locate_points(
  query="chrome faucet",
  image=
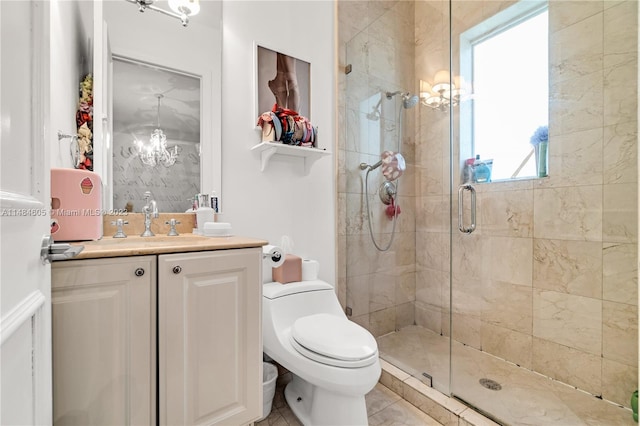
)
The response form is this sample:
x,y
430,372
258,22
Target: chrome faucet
x,y
151,208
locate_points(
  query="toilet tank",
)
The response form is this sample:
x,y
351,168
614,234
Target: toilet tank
x,y
284,303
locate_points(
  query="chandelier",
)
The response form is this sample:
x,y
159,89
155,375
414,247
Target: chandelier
x,y
443,94
155,151
181,9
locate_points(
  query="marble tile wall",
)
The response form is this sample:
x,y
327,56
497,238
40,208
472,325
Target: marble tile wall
x,y
377,40
549,279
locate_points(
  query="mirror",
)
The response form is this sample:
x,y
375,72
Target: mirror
x,y
152,53
146,98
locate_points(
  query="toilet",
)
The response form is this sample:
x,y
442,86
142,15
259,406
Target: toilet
x,y
334,362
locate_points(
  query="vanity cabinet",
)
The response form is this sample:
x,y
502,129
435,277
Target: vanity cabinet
x,y
210,340
104,341
205,309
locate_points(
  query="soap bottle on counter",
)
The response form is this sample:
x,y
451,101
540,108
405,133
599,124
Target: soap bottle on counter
x,y
204,212
204,215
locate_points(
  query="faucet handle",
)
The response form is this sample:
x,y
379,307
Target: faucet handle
x,y
172,231
119,223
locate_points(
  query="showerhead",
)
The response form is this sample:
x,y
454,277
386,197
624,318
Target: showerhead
x,y
374,115
408,100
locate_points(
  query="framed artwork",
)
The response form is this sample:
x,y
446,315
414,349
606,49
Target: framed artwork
x,y
282,79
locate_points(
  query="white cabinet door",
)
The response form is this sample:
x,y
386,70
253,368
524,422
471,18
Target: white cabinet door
x,y
104,335
210,342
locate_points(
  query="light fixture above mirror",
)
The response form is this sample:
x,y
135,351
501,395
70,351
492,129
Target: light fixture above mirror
x,y
181,9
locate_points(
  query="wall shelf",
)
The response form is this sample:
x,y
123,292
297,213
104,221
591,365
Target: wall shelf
x,y
268,149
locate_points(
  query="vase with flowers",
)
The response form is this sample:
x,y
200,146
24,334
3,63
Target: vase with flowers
x,y
540,142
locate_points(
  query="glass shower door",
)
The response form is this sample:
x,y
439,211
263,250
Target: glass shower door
x,y
544,288
401,295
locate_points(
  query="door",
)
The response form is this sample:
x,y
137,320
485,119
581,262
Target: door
x,y
25,284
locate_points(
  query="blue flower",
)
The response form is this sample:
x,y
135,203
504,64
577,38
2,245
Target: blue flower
x,y
540,135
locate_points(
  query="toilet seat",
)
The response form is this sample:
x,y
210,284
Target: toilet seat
x,y
332,340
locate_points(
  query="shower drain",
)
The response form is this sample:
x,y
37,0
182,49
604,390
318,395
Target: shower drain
x,y
490,384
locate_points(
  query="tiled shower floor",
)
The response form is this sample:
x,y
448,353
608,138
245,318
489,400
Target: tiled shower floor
x,y
526,398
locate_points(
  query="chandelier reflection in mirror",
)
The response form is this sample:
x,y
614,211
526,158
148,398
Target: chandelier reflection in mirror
x,y
155,151
181,9
443,94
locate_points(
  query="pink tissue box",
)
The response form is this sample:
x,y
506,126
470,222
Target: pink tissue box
x,y
290,271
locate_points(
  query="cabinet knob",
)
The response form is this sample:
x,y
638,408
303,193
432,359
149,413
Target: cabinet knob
x,y
177,269
139,272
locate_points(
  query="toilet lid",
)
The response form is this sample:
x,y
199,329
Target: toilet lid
x,y
334,337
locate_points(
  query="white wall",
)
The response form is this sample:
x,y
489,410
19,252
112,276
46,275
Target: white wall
x,y
281,200
71,34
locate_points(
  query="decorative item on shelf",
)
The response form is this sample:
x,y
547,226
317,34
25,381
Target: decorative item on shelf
x,y
288,127
481,170
467,171
84,121
155,151
282,79
181,9
540,142
443,94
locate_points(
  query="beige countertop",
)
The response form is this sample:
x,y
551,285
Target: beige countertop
x,y
160,244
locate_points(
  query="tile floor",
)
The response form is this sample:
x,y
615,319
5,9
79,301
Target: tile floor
x,y
384,407
526,398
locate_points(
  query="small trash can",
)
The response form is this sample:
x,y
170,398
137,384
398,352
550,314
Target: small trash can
x,y
269,376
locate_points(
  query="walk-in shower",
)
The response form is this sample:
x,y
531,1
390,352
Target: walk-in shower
x,y
531,318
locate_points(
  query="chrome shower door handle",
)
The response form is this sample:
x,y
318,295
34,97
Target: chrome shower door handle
x,y
472,190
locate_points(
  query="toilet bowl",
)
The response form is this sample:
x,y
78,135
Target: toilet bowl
x,y
334,362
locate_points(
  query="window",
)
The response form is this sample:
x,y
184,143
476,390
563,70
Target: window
x,y
508,67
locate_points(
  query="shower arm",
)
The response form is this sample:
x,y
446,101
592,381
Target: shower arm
x,y
364,166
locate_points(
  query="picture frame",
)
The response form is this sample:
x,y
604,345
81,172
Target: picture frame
x,y
283,79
